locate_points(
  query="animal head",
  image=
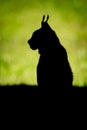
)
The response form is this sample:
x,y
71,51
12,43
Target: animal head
x,y
43,38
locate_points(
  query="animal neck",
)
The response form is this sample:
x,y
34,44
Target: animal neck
x,y
48,50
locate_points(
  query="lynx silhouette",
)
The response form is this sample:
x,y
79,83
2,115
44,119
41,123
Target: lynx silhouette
x,y
53,69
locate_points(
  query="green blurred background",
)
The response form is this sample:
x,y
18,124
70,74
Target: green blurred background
x,y
19,18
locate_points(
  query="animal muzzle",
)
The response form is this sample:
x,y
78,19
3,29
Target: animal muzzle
x,y
31,44
29,41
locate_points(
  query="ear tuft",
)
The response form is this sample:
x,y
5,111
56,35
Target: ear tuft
x,y
47,18
43,20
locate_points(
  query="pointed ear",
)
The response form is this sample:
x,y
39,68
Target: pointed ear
x,y
42,22
47,18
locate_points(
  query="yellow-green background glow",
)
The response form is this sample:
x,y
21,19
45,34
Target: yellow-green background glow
x,y
19,18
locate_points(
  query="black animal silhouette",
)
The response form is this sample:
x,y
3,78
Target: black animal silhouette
x,y
53,69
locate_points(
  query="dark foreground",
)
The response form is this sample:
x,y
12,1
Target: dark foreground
x,y
31,98
33,91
